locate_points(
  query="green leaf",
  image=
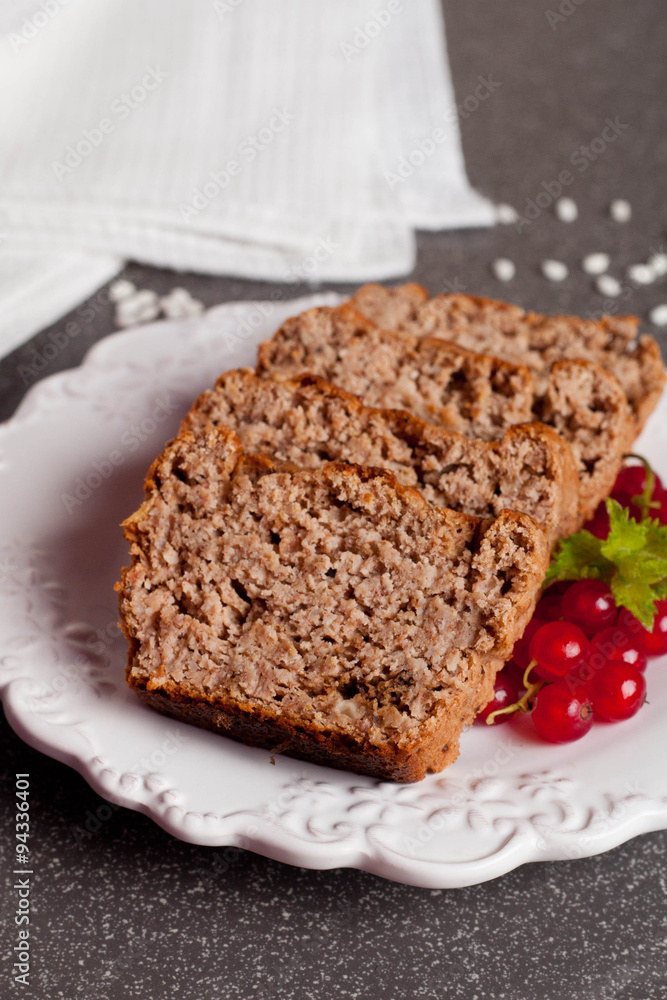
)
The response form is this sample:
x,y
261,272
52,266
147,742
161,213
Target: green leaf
x,y
627,537
656,538
638,597
648,568
632,560
579,557
641,577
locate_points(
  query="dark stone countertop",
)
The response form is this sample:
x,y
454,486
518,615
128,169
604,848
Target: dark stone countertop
x,y
131,912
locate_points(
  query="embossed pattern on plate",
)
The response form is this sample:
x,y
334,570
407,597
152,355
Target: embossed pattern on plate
x,y
72,464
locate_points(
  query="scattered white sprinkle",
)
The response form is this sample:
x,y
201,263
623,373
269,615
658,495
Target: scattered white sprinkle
x,y
503,268
566,209
140,307
179,304
507,215
121,289
608,286
554,270
641,274
658,316
596,263
179,294
620,210
658,264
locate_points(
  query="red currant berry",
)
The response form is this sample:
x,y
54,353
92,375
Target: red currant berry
x,y
590,605
655,641
660,512
617,692
559,648
618,645
549,608
505,693
561,716
599,523
521,652
515,673
633,627
557,589
629,483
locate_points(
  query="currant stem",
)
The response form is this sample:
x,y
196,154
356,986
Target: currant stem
x,y
644,499
522,705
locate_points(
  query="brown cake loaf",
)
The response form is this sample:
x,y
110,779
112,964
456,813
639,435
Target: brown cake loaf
x,y
474,394
331,614
390,308
525,338
308,422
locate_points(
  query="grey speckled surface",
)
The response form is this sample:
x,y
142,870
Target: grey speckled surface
x,y
130,912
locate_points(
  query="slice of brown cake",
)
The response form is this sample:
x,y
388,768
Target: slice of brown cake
x,y
308,422
475,394
526,338
442,383
331,614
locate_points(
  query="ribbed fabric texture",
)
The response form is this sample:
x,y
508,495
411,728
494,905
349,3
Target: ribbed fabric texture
x,y
250,137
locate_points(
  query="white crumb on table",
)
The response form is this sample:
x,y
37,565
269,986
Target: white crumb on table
x,y
620,210
503,268
139,307
658,315
179,304
641,274
658,264
608,286
121,289
596,263
566,209
507,215
554,270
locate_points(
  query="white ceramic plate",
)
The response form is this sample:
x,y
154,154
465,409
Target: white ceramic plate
x,y
72,464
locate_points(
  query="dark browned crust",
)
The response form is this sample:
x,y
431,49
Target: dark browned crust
x,y
403,764
654,378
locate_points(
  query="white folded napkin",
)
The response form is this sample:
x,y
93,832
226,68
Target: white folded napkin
x,y
268,140
36,289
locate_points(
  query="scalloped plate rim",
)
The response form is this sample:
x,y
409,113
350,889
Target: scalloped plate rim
x,y
240,829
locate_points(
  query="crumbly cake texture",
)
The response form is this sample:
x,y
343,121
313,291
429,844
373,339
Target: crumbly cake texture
x,y
448,385
526,338
586,405
390,308
439,382
330,614
307,421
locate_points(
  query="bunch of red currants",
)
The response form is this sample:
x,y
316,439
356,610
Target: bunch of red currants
x,y
630,484
581,657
